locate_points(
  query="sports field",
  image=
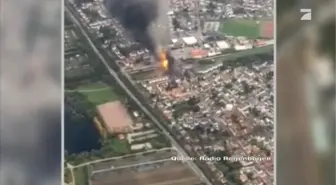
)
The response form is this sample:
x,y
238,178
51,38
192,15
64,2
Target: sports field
x,y
247,28
98,92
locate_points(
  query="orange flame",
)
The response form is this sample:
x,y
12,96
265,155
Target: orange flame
x,y
163,59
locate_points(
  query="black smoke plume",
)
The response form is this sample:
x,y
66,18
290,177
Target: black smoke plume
x,y
136,16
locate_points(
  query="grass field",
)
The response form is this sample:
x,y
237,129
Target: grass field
x,y
98,93
116,145
247,28
92,86
81,176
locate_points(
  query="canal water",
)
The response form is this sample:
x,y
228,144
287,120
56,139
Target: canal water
x,y
80,135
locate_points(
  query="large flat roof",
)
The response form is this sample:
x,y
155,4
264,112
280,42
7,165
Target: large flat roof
x,y
115,116
190,40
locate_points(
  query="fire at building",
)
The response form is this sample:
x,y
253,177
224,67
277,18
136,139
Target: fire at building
x,y
168,64
163,59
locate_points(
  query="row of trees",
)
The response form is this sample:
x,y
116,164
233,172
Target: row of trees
x,y
79,106
110,147
67,176
230,169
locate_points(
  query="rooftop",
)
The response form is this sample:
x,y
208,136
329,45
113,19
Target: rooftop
x,y
115,117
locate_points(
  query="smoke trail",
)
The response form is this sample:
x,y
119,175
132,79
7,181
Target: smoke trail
x,y
136,16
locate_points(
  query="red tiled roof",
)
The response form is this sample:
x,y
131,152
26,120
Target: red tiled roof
x,y
115,117
198,53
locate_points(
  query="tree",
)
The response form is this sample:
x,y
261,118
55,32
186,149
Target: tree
x,y
211,8
176,24
67,175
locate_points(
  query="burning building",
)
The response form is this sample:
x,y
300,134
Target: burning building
x,y
169,64
163,59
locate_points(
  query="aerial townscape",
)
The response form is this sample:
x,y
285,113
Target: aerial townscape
x,y
168,92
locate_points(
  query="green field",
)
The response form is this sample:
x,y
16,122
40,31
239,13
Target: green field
x,y
98,93
91,86
81,176
116,147
247,28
